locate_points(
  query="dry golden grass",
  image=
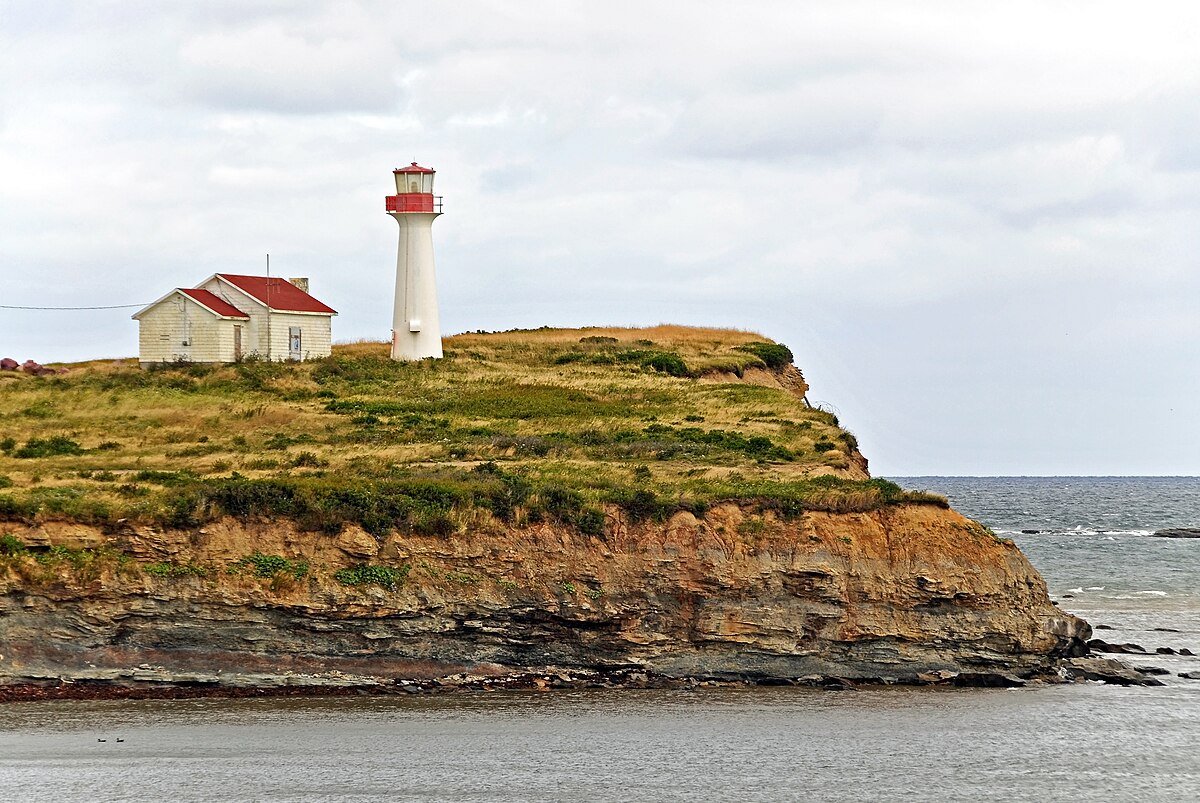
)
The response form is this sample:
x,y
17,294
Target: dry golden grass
x,y
553,405
684,338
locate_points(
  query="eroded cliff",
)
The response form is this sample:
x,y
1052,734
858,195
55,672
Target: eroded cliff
x,y
888,595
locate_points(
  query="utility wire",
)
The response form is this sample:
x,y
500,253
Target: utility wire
x,y
114,306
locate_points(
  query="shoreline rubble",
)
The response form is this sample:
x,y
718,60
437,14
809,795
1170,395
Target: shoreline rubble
x,y
149,682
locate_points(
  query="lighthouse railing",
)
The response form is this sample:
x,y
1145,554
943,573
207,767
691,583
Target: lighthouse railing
x,y
414,202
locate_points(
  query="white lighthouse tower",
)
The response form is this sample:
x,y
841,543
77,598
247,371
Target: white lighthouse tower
x,y
415,330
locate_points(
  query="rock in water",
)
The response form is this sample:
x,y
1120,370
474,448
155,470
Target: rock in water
x,y
1100,645
1106,670
1152,670
1179,532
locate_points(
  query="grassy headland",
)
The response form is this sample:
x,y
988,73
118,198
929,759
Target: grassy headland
x,y
510,428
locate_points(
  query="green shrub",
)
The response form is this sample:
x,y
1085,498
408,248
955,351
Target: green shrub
x,y
365,574
5,481
86,562
774,355
307,460
568,357
421,506
69,502
667,362
642,504
52,446
507,494
282,440
568,506
43,408
11,545
262,464
270,566
185,367
172,570
590,521
257,374
361,369
759,447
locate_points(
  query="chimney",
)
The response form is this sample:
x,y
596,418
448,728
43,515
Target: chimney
x,y
300,282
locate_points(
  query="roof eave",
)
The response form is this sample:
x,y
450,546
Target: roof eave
x,y
301,312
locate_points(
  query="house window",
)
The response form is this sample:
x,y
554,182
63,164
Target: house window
x,y
294,351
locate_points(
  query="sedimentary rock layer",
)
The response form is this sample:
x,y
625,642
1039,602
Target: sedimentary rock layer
x,y
885,595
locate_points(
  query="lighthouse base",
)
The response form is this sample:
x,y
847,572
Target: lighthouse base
x,y
409,346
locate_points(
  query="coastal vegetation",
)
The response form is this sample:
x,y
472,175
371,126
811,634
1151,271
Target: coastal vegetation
x,y
510,429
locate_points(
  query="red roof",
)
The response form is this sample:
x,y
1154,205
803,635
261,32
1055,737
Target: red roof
x,y
414,168
284,296
213,302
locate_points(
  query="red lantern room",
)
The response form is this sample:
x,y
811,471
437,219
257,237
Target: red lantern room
x,y
414,191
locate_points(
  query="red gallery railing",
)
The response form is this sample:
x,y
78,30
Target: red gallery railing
x,y
414,202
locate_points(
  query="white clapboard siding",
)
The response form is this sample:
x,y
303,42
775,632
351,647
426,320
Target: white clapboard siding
x,y
180,329
315,335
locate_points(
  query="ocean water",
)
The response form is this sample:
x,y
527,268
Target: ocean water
x,y
1064,743
1095,547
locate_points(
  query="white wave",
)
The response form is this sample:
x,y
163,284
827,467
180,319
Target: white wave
x,y
1152,593
1095,588
1107,533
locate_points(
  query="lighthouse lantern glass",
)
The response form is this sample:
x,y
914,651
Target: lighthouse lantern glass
x,y
408,183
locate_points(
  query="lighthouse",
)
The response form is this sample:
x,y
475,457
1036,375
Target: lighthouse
x,y
415,330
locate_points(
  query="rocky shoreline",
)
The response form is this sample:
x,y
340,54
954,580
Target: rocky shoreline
x,y
155,682
908,595
1178,532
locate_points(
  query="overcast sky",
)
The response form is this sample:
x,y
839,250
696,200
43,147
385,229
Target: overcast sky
x,y
975,224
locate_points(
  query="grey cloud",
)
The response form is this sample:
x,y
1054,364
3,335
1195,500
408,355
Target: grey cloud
x,y
916,201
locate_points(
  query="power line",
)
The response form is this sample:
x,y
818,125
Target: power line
x,y
114,306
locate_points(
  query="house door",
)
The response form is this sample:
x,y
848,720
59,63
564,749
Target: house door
x,y
294,343
237,343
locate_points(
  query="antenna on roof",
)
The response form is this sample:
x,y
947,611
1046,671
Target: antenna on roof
x,y
268,307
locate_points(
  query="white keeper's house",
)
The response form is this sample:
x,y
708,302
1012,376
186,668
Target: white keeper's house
x,y
228,317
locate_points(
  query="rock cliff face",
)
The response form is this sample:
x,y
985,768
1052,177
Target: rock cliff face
x,y
886,595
